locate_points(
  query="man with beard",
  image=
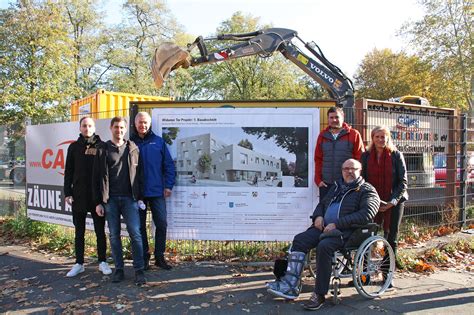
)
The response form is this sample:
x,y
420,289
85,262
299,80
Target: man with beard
x,y
335,144
350,201
78,192
117,192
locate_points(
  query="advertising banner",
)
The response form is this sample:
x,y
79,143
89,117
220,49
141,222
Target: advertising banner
x,y
242,173
46,150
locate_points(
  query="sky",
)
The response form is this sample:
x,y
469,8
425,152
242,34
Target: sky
x,y
345,30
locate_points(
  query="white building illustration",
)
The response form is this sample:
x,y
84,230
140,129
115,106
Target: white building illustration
x,y
228,162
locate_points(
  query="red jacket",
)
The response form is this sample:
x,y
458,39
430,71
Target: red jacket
x,y
331,153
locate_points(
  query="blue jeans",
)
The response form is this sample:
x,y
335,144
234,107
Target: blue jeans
x,y
158,212
128,208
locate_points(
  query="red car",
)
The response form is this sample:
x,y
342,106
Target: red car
x,y
440,164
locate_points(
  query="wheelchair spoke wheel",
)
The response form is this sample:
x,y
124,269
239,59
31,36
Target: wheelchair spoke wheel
x,y
374,266
343,267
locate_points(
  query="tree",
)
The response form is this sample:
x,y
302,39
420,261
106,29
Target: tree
x,y
293,140
36,77
89,41
384,74
246,78
245,143
444,38
146,24
204,163
284,167
169,134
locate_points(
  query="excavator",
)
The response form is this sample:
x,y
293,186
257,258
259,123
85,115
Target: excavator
x,y
264,43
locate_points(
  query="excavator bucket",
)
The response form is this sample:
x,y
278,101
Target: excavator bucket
x,y
168,57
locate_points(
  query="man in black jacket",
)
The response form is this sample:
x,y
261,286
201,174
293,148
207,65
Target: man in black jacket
x,y
78,192
117,190
351,201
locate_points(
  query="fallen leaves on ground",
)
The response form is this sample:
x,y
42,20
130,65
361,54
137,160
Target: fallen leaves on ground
x,y
422,266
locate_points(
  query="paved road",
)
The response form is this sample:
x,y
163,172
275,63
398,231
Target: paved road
x,y
32,282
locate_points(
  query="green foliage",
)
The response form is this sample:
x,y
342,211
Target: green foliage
x,y
204,163
293,140
243,250
23,227
384,74
444,39
89,42
36,79
144,26
244,78
170,134
245,143
284,167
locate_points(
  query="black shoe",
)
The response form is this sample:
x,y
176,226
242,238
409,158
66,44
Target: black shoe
x,y
140,277
161,262
147,264
118,275
315,302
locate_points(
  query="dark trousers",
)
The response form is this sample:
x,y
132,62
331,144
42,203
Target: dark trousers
x,y
158,211
395,221
79,220
325,249
324,190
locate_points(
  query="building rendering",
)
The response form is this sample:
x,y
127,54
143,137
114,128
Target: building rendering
x,y
228,162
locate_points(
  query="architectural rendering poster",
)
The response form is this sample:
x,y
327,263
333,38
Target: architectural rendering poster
x,y
242,173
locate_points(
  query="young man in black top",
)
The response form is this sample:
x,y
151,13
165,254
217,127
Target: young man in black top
x,y
118,189
78,192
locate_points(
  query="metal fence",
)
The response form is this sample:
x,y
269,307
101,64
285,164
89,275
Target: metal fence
x,y
439,153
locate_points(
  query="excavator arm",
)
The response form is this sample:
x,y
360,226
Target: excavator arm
x,y
263,43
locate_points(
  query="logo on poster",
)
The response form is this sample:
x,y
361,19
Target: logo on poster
x,y
53,158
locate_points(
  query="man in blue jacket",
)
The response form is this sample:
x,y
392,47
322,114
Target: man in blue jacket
x,y
159,173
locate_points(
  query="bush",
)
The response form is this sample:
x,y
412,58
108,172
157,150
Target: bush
x,y
23,227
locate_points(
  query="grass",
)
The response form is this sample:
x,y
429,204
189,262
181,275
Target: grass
x,y
60,240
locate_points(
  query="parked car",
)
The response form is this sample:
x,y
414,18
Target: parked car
x,y
440,166
420,170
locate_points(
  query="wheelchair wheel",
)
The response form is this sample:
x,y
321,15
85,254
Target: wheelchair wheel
x,y
374,266
342,264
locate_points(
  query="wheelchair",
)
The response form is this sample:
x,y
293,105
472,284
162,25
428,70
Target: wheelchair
x,y
366,257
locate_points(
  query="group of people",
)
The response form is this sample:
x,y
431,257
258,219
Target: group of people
x,y
373,187
122,177
114,179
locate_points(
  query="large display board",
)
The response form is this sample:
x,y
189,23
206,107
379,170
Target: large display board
x,y
242,173
46,150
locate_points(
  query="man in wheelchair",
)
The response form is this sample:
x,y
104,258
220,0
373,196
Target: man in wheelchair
x,y
351,201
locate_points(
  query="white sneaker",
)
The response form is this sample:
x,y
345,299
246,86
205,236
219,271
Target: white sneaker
x,y
75,270
104,267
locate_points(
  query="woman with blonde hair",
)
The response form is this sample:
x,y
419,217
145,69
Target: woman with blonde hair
x,y
384,167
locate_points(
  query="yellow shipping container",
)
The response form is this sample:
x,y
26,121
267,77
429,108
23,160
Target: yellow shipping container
x,y
104,104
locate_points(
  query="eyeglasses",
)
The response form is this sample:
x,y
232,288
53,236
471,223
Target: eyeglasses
x,y
347,169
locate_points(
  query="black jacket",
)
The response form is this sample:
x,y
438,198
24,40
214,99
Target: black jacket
x,y
78,172
359,204
399,175
101,173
